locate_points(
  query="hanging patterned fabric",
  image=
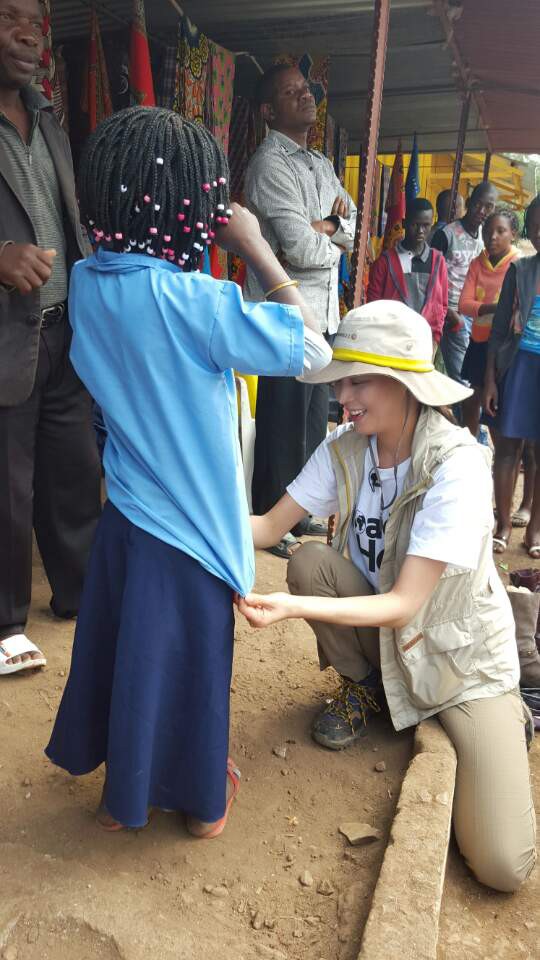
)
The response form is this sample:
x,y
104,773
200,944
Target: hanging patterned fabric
x,y
168,78
316,71
221,74
43,80
342,144
330,138
193,60
96,97
140,68
50,79
60,90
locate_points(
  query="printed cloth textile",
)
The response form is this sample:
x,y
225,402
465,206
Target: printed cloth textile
x,y
193,56
221,79
140,69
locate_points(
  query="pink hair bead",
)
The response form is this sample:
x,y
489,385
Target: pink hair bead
x,y
211,234
222,180
153,231
180,217
206,187
199,225
187,203
119,236
147,199
187,229
208,242
167,237
98,234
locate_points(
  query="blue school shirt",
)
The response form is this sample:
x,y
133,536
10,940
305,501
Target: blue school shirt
x,y
530,338
155,348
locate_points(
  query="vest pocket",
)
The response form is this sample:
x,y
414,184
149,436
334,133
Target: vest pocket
x,y
438,661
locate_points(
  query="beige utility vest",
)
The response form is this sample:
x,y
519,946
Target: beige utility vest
x,y
461,644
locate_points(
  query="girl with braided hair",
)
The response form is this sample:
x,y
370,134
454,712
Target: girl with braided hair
x,y
155,341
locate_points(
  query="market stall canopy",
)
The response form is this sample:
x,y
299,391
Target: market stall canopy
x,y
424,72
500,44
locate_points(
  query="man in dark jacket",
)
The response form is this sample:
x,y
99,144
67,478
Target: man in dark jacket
x,y
49,466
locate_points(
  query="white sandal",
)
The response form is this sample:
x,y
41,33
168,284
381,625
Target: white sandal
x,y
17,646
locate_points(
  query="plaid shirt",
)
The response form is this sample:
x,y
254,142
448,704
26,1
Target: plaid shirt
x,y
288,188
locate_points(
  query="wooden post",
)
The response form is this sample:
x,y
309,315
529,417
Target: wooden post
x,y
370,142
487,165
460,150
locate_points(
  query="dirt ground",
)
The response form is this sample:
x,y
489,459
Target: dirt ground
x,y
477,923
72,892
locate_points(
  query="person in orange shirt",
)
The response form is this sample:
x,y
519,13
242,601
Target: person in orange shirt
x,y
479,299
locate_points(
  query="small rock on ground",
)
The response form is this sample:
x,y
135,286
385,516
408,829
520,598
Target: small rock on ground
x,y
325,888
357,833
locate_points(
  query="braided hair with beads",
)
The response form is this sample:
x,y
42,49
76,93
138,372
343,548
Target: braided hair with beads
x,y
151,182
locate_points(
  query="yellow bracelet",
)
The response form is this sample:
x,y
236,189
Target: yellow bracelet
x,y
281,286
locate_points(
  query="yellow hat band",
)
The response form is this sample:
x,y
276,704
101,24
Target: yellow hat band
x,y
378,360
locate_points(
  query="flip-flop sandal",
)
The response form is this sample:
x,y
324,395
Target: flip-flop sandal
x,y
284,548
17,646
316,529
518,521
233,775
500,544
534,551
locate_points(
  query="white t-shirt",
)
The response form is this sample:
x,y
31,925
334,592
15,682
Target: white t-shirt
x,y
455,515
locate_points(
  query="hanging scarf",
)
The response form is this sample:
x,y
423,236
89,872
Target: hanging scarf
x,y
140,69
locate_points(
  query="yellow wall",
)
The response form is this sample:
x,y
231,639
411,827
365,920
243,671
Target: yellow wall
x,y
436,175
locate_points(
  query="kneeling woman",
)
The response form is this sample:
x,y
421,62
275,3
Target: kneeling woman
x,y
408,598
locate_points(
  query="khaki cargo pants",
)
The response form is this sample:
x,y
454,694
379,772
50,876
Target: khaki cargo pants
x,y
493,813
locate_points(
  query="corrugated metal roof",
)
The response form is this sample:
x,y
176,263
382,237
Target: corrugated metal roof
x,y
500,45
420,88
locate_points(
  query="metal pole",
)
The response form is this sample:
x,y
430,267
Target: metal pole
x,y
370,141
460,150
487,165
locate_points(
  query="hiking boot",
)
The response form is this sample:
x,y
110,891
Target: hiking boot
x,y
344,718
525,606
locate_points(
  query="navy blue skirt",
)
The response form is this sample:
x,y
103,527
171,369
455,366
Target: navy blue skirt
x,y
148,689
518,416
474,364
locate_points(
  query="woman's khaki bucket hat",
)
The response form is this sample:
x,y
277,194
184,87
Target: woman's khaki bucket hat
x,y
386,338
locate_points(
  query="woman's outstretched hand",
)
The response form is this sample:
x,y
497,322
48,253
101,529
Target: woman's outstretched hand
x,y
262,611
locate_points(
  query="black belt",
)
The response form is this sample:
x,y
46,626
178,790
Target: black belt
x,y
52,315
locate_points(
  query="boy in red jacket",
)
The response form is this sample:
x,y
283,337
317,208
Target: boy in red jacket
x,y
412,272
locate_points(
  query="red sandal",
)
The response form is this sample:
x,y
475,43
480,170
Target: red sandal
x,y
218,827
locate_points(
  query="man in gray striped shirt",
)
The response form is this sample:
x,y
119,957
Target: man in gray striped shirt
x,y
309,220
49,465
